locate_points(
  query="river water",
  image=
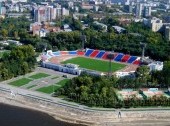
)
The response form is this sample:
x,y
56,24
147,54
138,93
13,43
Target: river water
x,y
15,116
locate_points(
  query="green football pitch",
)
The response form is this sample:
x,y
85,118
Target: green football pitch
x,y
94,64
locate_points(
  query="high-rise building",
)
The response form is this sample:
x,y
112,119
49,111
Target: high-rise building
x,y
147,11
58,11
65,12
139,10
168,1
130,8
44,13
167,32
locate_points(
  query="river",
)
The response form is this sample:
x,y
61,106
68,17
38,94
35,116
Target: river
x,y
15,116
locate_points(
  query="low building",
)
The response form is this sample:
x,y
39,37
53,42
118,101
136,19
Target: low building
x,y
16,15
125,74
7,42
156,66
104,27
119,29
42,29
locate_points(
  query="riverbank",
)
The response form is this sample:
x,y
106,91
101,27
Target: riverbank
x,y
82,115
17,116
39,108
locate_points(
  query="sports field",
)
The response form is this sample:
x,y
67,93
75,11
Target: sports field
x,y
94,64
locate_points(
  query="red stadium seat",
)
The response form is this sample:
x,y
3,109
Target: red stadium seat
x,y
94,53
80,53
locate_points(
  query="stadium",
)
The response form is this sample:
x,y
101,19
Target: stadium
x,y
94,62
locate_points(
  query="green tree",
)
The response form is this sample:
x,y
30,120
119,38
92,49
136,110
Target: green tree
x,y
142,73
166,72
4,33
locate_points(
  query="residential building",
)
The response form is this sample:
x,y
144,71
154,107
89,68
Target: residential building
x,y
155,24
58,11
139,10
167,32
147,11
16,15
65,12
45,13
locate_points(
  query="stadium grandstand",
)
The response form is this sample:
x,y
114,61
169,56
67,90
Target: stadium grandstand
x,y
98,54
53,60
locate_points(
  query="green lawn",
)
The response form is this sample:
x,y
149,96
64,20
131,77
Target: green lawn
x,y
31,86
20,82
39,75
94,64
49,89
62,82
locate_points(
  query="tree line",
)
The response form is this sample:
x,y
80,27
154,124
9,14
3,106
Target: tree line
x,y
103,91
19,61
157,48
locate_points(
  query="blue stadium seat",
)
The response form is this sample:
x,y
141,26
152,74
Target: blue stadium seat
x,y
56,53
132,59
72,52
100,54
119,57
88,52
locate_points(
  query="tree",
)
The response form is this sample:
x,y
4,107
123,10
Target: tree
x,y
4,74
142,73
4,33
19,61
24,68
166,72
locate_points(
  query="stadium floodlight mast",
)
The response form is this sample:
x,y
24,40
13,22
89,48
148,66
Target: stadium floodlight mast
x,y
143,46
110,56
83,39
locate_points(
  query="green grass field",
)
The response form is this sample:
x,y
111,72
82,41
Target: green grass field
x,y
62,82
20,82
94,64
51,88
39,75
48,89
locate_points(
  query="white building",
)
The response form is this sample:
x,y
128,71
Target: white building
x,y
125,74
167,32
157,65
155,24
104,27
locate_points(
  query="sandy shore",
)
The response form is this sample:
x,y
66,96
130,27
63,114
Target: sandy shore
x,y
129,118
